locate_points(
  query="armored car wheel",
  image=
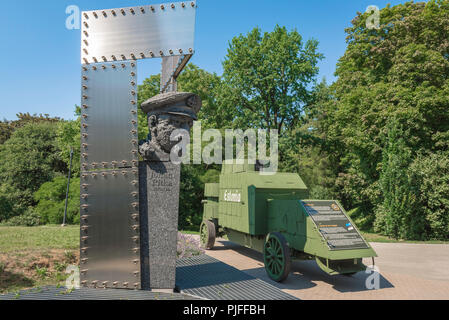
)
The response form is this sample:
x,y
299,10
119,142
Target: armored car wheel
x,y
276,256
207,234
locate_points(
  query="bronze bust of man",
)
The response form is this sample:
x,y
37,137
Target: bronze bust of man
x,y
167,112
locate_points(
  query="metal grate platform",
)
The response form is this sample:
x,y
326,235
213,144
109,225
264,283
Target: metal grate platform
x,y
204,276
54,293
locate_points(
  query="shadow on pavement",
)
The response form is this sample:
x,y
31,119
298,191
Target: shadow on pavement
x,y
304,274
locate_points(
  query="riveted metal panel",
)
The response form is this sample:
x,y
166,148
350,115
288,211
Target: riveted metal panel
x,y
138,32
109,116
110,236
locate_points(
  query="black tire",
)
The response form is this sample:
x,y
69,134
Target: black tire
x,y
276,256
207,234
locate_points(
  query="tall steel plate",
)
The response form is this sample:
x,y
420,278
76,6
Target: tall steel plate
x,y
110,254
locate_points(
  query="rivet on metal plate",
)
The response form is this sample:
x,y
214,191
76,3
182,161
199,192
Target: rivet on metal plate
x,y
135,216
85,135
133,111
85,78
85,125
123,57
142,9
125,284
142,55
183,5
84,186
94,175
135,239
135,228
171,51
133,74
85,69
113,13
133,83
84,87
85,33
95,15
151,53
172,6
104,58
95,59
85,61
104,14
113,66
123,11
84,145
84,196
86,25
161,53
86,16
133,92
162,7
103,67
94,68
136,261
135,250
133,64
86,43
85,51
85,97
132,11
152,8
192,4
84,116
114,58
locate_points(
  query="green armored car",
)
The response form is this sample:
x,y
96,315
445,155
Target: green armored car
x,y
271,214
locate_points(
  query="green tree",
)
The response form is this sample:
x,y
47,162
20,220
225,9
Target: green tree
x,y
267,77
28,159
8,127
400,71
68,136
50,200
393,216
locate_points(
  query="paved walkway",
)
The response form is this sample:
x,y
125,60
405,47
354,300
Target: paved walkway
x,y
407,271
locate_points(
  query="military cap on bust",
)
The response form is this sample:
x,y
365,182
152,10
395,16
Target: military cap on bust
x,y
177,103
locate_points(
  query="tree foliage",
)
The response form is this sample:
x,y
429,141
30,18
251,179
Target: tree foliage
x,y
28,159
268,76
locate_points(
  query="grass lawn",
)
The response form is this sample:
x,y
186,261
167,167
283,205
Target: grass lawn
x,y
374,237
37,256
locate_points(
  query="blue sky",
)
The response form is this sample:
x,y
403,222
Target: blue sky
x,y
40,72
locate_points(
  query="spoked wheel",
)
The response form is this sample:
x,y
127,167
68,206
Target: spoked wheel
x,y
276,256
207,234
